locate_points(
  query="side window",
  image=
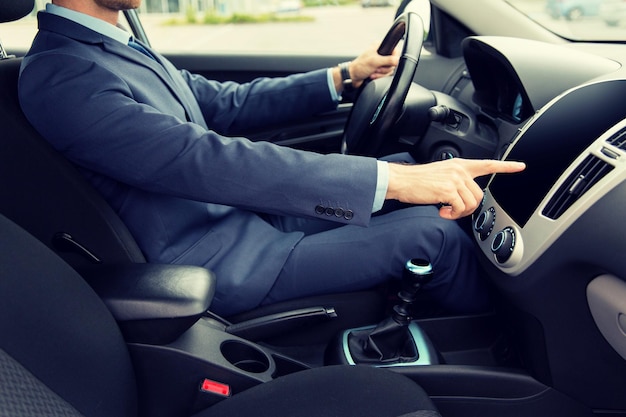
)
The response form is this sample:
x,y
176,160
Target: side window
x,y
308,27
267,26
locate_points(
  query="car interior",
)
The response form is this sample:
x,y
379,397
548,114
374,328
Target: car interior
x,y
89,327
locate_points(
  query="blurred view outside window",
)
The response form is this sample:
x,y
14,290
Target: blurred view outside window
x,y
244,26
302,27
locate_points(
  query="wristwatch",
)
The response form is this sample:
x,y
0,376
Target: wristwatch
x,y
344,69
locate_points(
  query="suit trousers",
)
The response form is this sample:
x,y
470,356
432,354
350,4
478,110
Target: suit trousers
x,y
333,258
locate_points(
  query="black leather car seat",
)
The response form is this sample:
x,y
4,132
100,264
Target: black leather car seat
x,y
62,354
44,193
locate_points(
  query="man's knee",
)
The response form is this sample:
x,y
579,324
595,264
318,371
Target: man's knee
x,y
439,236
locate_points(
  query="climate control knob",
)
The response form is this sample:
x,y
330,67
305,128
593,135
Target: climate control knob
x,y
483,225
503,244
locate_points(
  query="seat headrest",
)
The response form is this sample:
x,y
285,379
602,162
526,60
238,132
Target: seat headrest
x,y
11,10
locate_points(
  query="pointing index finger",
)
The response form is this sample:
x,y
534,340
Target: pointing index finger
x,y
478,168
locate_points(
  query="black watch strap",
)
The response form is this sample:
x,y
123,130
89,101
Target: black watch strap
x,y
344,69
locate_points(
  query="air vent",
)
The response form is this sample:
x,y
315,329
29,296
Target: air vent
x,y
618,140
589,172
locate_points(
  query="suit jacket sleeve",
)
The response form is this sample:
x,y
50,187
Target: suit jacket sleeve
x,y
120,121
229,107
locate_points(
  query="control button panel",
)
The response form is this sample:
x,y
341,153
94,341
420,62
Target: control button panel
x,y
498,237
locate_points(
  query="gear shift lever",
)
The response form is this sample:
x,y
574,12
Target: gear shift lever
x,y
417,273
391,340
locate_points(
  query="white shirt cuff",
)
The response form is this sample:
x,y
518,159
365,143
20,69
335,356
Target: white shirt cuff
x,y
381,186
331,86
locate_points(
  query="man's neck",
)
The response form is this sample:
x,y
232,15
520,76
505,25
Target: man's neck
x,y
90,8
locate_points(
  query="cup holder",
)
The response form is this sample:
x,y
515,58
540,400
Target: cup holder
x,y
245,357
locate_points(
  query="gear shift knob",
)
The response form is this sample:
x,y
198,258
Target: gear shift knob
x,y
417,273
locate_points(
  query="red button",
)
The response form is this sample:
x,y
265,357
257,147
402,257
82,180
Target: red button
x,y
215,387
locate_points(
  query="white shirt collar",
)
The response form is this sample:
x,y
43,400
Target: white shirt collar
x,y
93,23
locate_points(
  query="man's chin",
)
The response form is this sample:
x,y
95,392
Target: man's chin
x,y
119,5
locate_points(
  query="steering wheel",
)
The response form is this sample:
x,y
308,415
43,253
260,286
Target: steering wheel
x,y
379,102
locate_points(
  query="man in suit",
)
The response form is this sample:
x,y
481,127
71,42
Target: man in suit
x,y
273,223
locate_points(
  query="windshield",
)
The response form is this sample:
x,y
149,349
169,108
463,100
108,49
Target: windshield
x,y
579,20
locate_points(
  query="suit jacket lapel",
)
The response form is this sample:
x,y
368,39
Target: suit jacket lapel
x,y
163,68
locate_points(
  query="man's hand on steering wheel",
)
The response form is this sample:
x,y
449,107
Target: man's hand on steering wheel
x,y
369,65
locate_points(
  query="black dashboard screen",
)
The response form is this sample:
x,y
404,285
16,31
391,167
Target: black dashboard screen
x,y
553,141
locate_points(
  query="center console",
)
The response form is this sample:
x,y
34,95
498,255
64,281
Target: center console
x,y
203,366
395,341
187,359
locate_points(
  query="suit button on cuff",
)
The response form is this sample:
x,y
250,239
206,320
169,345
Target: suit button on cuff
x,y
330,211
339,212
319,209
348,215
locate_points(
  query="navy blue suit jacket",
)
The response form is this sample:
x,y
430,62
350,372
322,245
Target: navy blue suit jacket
x,y
152,140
